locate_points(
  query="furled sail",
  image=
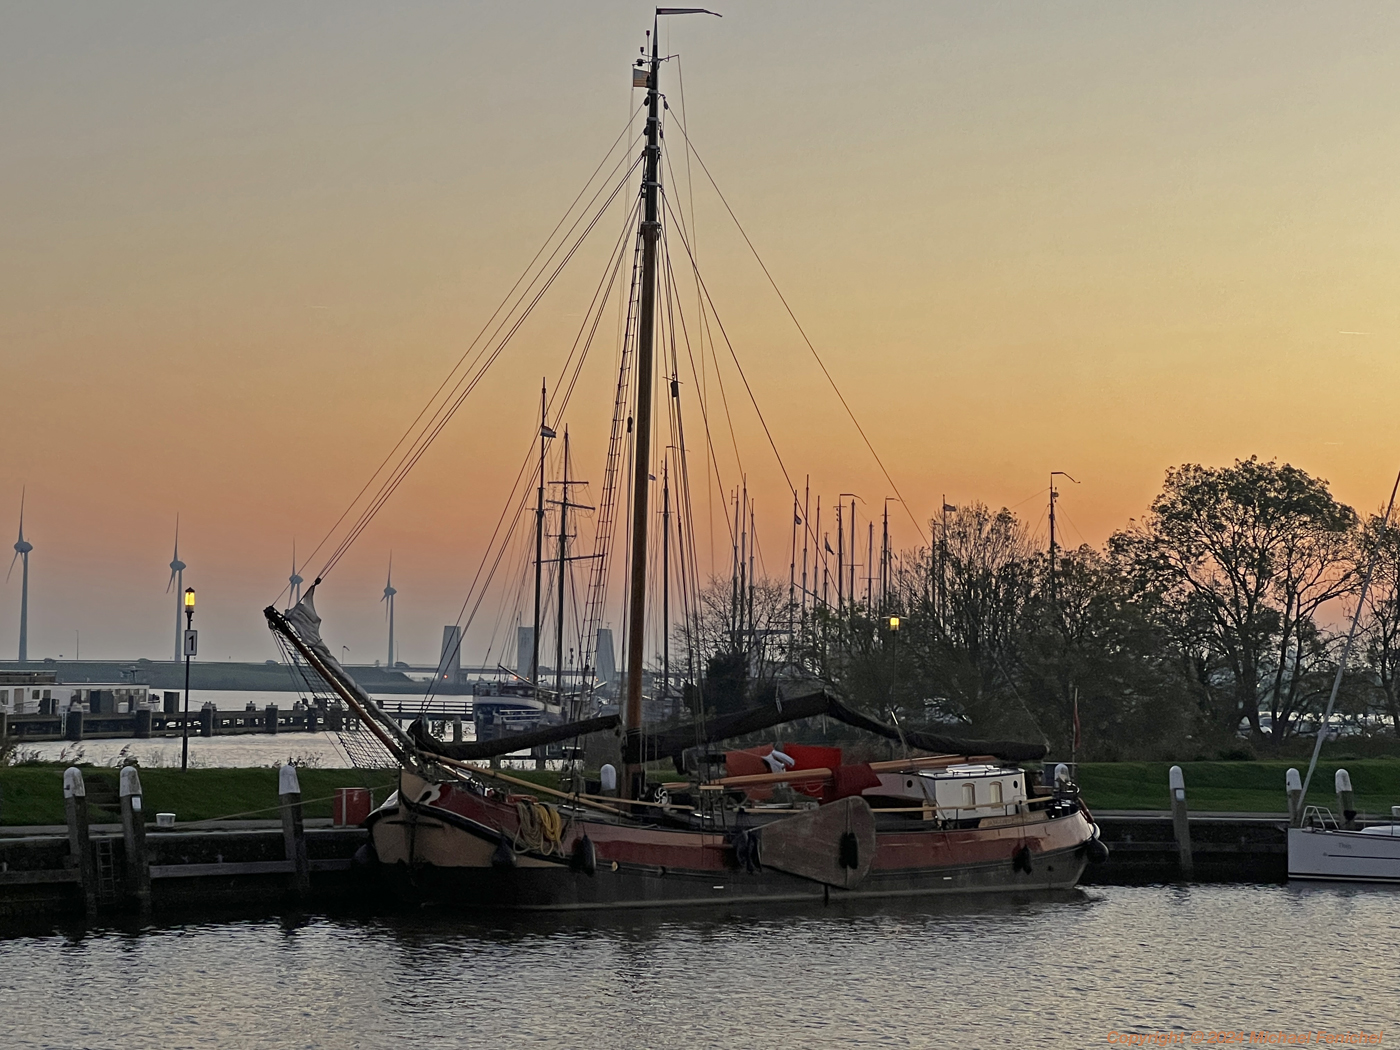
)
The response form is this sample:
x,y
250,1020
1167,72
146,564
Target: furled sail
x,y
472,750
819,700
303,625
671,743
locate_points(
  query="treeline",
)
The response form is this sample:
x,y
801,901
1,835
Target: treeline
x,y
1212,625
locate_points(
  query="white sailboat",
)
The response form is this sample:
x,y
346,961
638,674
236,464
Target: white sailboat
x,y
1319,845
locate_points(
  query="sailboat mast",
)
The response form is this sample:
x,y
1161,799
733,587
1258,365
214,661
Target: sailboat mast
x,y
563,564
841,558
665,581
539,549
633,770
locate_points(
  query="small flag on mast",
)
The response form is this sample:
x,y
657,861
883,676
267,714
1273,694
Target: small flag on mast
x,y
547,432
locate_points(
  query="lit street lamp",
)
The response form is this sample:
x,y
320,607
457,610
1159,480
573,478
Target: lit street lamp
x,y
191,647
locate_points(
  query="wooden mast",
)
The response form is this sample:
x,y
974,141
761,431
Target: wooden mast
x,y
633,770
632,766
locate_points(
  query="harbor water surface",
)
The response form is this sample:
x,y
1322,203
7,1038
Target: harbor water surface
x,y
1085,969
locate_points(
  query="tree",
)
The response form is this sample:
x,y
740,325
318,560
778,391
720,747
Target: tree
x,y
1380,619
1243,557
1090,639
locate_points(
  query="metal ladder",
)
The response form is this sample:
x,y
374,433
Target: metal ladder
x,y
106,869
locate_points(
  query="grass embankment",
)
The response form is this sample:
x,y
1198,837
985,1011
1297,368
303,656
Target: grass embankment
x,y
33,794
1238,787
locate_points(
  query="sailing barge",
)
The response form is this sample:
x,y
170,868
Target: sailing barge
x,y
778,824
964,821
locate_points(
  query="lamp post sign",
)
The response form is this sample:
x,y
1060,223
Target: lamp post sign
x,y
191,649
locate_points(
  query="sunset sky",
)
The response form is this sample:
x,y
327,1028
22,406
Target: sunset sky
x,y
244,242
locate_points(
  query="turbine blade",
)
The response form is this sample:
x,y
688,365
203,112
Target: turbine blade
x,y
12,566
21,516
171,583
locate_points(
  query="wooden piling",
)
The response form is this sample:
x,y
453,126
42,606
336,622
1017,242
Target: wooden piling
x,y
143,723
456,730
79,839
271,718
207,714
138,860
1181,823
73,725
293,831
1346,800
1293,784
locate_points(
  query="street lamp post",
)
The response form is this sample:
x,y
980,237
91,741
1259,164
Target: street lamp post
x,y
191,647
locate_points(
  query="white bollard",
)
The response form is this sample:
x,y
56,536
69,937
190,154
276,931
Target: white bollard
x,y
1346,801
1293,784
293,830
1181,823
79,841
138,861
608,779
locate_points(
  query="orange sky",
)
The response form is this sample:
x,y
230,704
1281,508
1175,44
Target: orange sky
x,y
243,244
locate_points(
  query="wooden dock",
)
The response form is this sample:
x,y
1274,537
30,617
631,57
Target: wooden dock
x,y
80,868
208,721
1224,847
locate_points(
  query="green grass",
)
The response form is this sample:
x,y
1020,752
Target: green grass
x,y
1243,787
34,794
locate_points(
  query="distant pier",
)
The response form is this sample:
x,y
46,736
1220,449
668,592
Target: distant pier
x,y
209,721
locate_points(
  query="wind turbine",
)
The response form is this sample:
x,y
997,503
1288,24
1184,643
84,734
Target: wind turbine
x,y
177,584
295,578
388,599
22,549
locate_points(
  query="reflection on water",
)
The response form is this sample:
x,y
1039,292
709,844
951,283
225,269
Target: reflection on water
x,y
1061,972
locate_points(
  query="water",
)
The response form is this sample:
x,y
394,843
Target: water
x,y
1065,972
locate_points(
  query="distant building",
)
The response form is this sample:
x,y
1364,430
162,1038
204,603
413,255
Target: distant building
x,y
40,693
449,667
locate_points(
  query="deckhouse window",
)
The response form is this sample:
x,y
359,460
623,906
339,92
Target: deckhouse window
x,y
969,795
996,791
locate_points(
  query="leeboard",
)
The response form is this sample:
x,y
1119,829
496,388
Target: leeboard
x,y
810,844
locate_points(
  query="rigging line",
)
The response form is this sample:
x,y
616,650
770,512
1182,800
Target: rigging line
x,y
463,389
690,193
619,445
529,459
424,442
713,483
470,346
820,363
678,426
619,255
749,389
467,383
723,395
687,234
